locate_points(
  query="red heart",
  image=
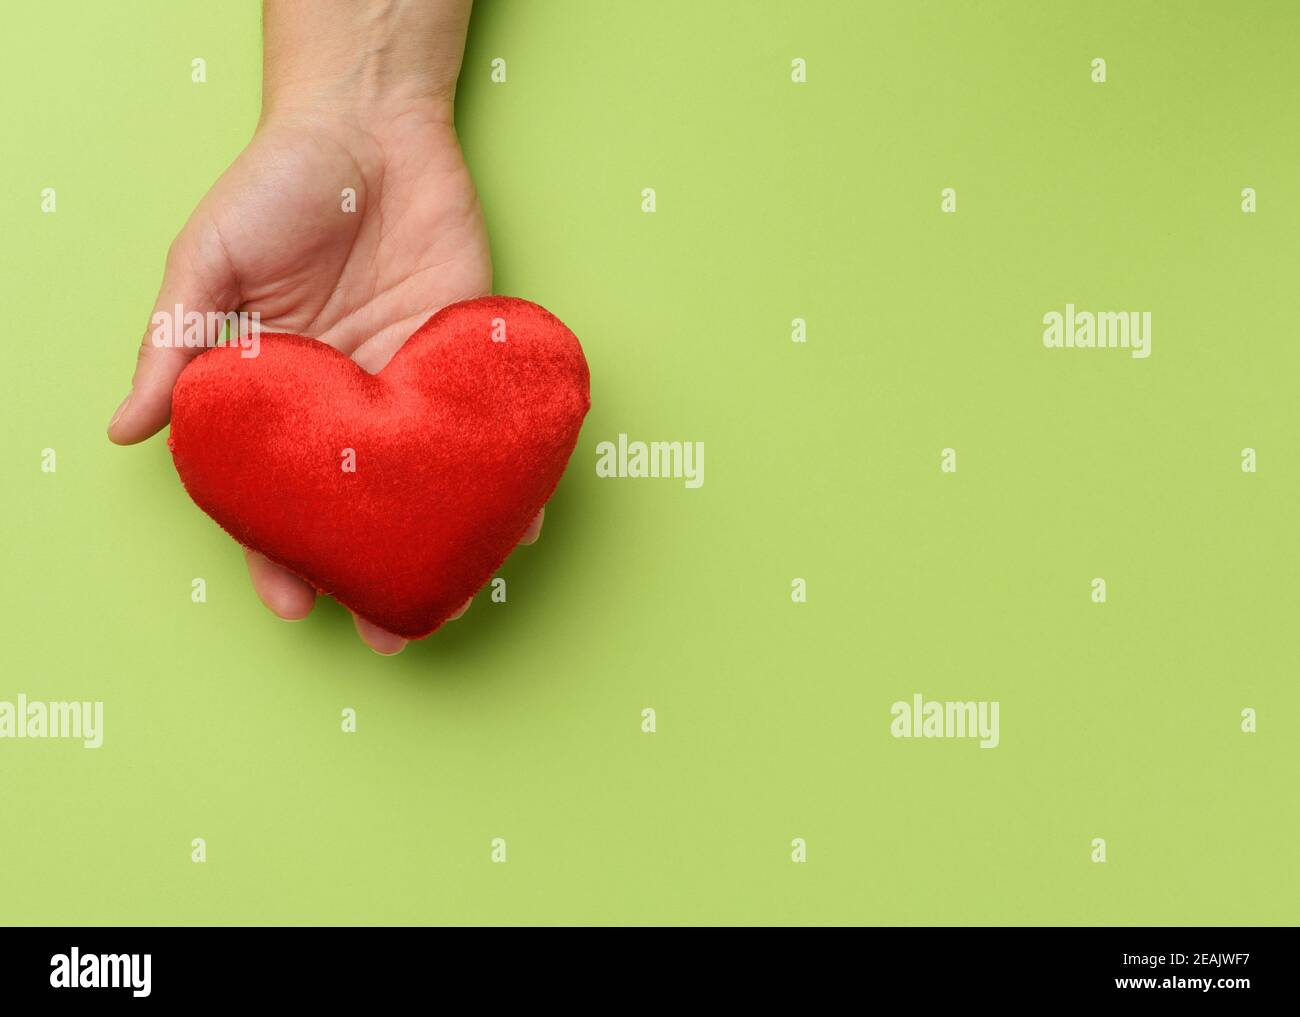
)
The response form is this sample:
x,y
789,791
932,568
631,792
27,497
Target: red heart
x,y
458,443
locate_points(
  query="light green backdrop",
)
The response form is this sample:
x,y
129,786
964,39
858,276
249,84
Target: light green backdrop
x,y
776,200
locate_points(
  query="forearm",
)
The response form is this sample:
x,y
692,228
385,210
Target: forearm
x,y
349,55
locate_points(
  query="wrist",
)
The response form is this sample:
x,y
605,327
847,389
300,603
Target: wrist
x,y
362,57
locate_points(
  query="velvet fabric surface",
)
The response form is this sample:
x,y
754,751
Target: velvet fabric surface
x,y
399,493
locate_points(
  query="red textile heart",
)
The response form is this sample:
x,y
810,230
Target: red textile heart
x,y
457,443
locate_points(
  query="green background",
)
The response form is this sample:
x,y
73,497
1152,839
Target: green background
x,y
775,200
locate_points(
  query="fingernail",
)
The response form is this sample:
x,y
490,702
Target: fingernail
x,y
120,410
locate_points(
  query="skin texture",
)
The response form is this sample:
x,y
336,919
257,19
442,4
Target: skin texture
x,y
271,235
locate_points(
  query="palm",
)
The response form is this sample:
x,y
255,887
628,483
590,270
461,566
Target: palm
x,y
359,269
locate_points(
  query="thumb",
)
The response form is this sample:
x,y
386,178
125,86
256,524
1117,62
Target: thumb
x,y
198,284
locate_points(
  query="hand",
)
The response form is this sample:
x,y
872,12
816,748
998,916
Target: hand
x,y
273,235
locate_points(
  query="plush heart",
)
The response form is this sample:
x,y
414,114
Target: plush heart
x,y
398,493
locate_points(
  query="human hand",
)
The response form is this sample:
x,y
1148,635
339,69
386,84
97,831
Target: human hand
x,y
274,234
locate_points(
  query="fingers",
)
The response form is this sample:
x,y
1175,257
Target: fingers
x,y
388,643
279,589
382,641
534,528
292,599
198,279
